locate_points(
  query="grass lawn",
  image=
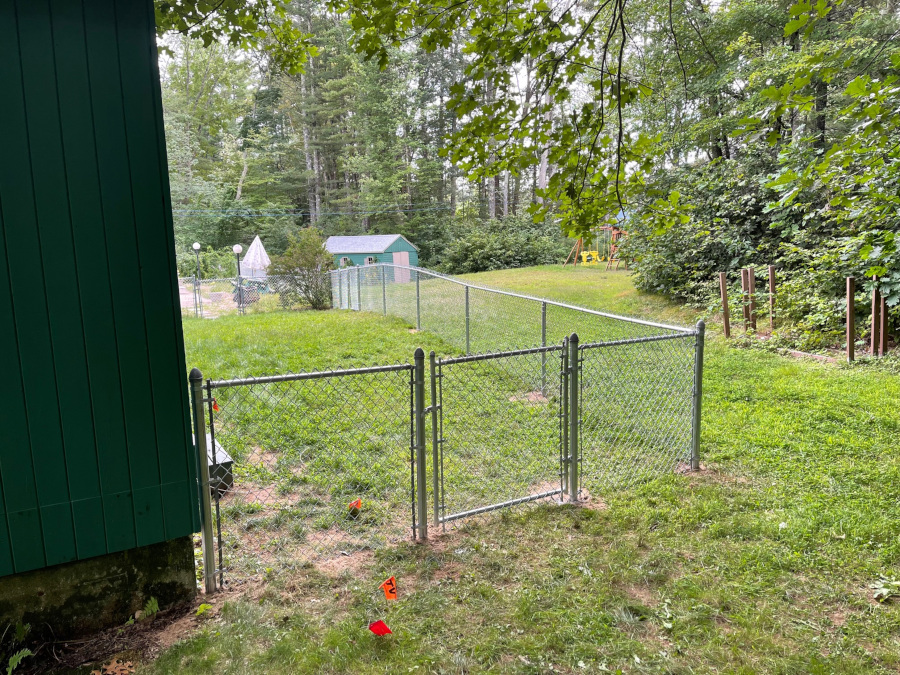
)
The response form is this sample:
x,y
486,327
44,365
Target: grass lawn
x,y
761,563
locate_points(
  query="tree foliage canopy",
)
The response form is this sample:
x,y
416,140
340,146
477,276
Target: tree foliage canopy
x,y
719,134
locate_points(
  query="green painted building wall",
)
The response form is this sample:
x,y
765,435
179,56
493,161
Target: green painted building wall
x,y
386,257
95,453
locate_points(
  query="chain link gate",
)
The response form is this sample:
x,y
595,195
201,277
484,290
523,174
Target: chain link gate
x,y
497,431
289,456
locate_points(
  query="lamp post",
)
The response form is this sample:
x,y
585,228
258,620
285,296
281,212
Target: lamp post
x,y
198,311
237,248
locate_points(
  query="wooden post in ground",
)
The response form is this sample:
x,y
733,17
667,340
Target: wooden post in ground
x,y
751,289
851,319
876,320
883,345
771,298
744,307
723,289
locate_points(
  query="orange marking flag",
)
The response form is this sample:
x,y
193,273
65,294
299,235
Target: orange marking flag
x,y
390,589
355,506
216,405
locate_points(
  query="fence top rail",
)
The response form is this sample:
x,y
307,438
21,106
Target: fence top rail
x,y
631,341
488,289
293,377
500,355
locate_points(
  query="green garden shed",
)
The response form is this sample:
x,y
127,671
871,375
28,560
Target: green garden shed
x,y
98,485
369,249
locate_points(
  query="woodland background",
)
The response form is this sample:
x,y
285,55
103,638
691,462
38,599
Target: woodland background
x,y
718,134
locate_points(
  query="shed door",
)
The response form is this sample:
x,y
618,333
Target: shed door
x,y
401,258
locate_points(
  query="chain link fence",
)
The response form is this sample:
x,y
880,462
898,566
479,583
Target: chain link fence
x,y
212,298
311,466
308,465
636,410
477,319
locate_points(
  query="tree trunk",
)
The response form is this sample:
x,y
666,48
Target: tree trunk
x,y
240,185
317,183
514,206
545,153
491,197
821,103
246,167
310,191
506,195
452,170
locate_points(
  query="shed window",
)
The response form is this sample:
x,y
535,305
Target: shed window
x,y
345,261
370,260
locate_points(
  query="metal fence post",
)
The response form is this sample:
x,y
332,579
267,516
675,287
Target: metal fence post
x,y
468,342
359,306
851,318
418,305
564,417
349,293
574,418
543,344
698,397
383,290
421,487
240,283
435,441
206,526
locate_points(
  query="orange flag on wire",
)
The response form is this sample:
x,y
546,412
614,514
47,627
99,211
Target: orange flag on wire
x,y
390,589
355,505
215,405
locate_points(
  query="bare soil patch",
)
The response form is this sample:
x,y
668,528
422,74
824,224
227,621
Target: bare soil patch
x,y
133,644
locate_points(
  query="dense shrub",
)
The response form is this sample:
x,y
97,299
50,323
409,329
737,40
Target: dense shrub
x,y
214,263
301,274
483,245
735,221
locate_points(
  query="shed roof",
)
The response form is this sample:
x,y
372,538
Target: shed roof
x,y
367,243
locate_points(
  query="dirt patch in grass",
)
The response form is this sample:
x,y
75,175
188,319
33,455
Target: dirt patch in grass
x,y
531,397
838,617
260,457
356,564
592,502
641,594
138,642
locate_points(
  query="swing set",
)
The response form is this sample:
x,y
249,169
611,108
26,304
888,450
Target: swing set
x,y
610,236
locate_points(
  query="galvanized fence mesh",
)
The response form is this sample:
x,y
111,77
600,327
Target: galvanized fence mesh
x,y
434,441
636,405
211,298
477,319
497,431
290,456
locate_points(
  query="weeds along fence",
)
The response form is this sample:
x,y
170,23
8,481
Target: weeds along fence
x,y
308,467
211,298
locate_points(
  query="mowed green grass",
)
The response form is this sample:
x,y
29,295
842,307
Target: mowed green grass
x,y
761,563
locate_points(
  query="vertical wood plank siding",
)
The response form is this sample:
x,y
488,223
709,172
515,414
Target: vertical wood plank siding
x,y
95,455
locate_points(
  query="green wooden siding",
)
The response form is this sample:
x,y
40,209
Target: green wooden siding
x,y
386,257
96,454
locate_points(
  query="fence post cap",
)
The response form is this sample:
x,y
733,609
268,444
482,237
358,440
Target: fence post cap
x,y
196,375
701,326
420,353
573,338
